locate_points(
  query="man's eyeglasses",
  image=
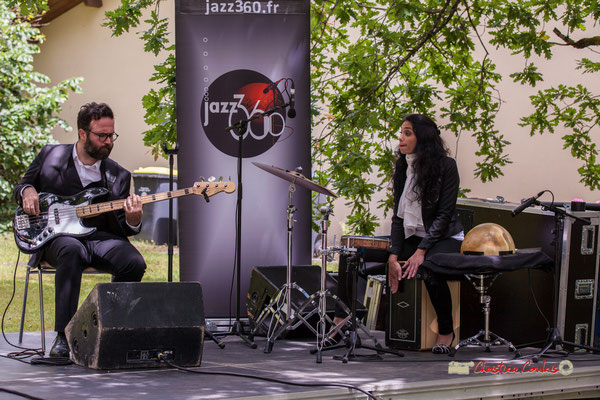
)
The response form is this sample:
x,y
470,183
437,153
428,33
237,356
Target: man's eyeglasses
x,y
105,136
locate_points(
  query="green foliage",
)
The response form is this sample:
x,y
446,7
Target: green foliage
x,y
160,106
28,8
28,105
158,103
374,62
578,110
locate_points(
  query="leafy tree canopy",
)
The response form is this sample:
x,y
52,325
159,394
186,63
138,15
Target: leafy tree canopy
x,y
433,57
28,104
375,62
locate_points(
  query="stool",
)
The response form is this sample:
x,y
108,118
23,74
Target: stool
x,y
485,338
41,267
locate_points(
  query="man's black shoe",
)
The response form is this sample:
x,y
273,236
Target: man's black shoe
x,y
60,347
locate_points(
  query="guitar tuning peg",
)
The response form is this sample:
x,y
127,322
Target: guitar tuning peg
x,y
202,178
211,179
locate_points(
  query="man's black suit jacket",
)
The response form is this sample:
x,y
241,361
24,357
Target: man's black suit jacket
x,y
53,171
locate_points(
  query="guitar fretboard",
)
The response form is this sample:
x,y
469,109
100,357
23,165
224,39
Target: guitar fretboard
x,y
209,189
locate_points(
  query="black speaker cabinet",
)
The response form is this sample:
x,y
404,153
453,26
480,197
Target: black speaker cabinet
x,y
127,325
265,281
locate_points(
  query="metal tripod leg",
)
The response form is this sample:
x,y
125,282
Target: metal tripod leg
x,y
277,314
485,338
324,320
350,341
215,339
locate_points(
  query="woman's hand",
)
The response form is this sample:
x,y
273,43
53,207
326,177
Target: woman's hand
x,y
413,263
395,272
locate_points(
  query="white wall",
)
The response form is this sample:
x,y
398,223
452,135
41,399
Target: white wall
x,y
538,162
116,71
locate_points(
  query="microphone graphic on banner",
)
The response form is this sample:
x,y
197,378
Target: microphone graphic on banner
x,y
292,95
526,203
292,110
272,86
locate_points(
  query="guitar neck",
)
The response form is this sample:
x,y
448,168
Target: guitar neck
x,y
92,210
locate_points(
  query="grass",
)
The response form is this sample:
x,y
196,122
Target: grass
x,y
156,260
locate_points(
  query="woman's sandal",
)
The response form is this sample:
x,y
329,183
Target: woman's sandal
x,y
443,348
336,335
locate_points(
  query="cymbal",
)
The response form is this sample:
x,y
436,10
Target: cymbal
x,y
296,178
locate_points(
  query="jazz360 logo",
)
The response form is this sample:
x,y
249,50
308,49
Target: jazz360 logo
x,y
240,95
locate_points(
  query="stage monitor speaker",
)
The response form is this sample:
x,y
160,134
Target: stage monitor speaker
x,y
412,321
127,325
265,281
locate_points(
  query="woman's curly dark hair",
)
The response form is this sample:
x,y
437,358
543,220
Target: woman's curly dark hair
x,y
430,150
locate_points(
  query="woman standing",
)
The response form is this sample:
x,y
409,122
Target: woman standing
x,y
425,221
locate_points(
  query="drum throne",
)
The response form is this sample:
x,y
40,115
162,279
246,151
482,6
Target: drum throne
x,y
487,251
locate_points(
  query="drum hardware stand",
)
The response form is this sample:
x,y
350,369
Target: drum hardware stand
x,y
324,293
352,340
280,308
317,300
554,338
322,324
288,319
489,338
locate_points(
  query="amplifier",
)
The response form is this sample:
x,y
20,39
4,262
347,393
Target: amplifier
x,y
412,322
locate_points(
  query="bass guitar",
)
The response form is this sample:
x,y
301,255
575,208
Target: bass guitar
x,y
63,215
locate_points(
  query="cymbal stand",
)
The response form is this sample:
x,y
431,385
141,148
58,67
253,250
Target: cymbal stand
x,y
324,293
322,324
352,340
280,308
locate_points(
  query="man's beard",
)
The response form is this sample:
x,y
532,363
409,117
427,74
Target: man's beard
x,y
98,153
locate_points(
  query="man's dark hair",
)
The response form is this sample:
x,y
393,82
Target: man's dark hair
x,y
92,111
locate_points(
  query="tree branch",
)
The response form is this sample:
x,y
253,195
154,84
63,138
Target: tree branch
x,y
581,43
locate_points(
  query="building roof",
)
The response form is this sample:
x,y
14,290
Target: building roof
x,y
59,7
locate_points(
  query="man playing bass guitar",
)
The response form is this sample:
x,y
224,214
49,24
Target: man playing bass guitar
x,y
66,170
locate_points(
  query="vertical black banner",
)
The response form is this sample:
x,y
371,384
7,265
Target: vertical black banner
x,y
236,59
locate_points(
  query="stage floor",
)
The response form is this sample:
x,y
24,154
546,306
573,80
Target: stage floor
x,y
417,375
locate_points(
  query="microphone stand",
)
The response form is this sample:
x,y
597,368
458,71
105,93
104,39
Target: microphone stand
x,y
171,236
554,338
240,128
171,153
